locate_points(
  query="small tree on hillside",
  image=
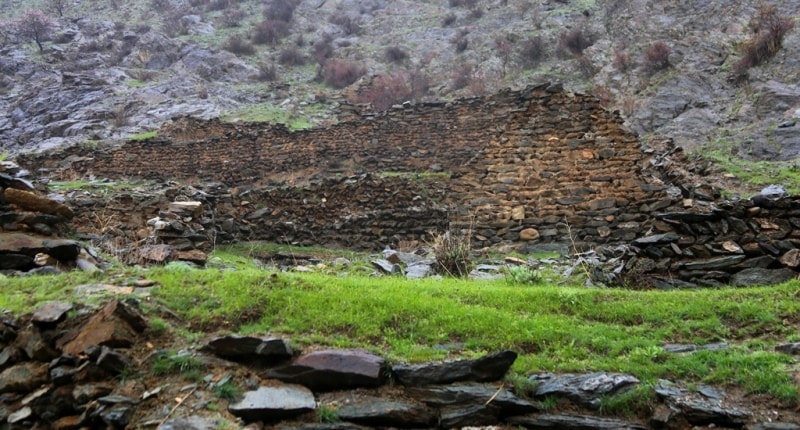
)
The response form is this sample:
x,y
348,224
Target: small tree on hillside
x,y
34,25
58,6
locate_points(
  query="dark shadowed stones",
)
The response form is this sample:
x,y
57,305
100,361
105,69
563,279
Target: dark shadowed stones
x,y
704,406
586,390
51,312
762,276
332,370
250,350
488,368
274,403
377,411
23,377
573,422
115,325
469,393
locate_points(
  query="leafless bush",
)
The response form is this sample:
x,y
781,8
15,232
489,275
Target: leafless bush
x,y
238,45
280,10
270,32
291,57
322,51
58,6
452,252
232,17
267,72
460,40
469,4
531,52
575,41
769,30
216,5
339,73
622,61
448,20
160,5
461,76
476,14
394,54
656,56
350,25
387,90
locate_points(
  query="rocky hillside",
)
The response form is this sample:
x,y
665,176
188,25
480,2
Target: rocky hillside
x,y
679,69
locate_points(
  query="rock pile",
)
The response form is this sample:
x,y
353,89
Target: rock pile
x,y
29,227
60,368
747,242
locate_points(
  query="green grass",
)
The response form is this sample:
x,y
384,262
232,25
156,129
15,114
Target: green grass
x,y
558,329
269,113
565,328
753,173
144,136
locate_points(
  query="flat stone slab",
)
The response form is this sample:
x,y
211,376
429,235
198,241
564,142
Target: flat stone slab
x,y
249,349
573,422
273,403
376,411
332,370
473,393
586,390
488,368
51,312
703,407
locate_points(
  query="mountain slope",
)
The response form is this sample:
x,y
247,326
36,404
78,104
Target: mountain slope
x,y
114,70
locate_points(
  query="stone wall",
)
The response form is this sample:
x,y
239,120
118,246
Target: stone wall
x,y
530,166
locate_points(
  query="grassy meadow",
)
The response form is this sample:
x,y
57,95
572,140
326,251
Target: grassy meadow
x,y
557,326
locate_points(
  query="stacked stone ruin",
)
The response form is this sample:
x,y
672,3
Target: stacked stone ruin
x,y
519,170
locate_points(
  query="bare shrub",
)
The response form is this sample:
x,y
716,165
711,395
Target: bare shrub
x,y
503,48
656,56
461,76
469,4
238,45
419,83
280,10
394,54
339,73
622,61
448,20
476,14
267,72
531,52
769,30
160,5
322,51
387,90
350,25
291,57
58,6
216,5
232,17
460,40
575,41
270,32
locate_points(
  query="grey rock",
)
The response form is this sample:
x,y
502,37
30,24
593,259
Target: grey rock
x,y
274,402
761,276
681,348
714,263
473,393
23,377
420,269
573,422
190,423
20,415
586,390
375,411
51,312
488,368
332,370
656,239
772,426
250,350
113,361
118,416
789,348
469,416
702,409
387,267
35,345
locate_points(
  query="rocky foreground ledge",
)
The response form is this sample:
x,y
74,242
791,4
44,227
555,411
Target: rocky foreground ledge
x,y
69,367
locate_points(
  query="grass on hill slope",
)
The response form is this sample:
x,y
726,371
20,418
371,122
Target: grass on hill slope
x,y
564,328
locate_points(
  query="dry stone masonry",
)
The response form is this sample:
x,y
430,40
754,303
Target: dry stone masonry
x,y
540,168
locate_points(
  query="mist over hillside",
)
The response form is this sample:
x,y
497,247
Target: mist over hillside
x,y
692,71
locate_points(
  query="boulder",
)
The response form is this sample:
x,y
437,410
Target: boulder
x,y
332,370
273,403
488,368
250,350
